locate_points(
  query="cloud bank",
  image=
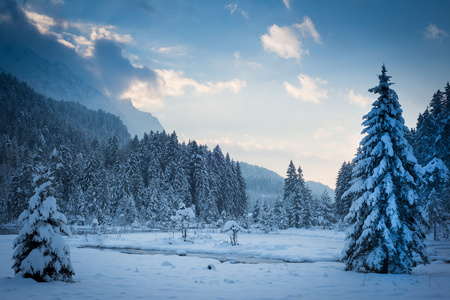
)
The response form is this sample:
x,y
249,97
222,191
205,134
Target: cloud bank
x,y
98,53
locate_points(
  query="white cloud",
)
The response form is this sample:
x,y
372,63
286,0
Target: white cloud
x,y
286,41
80,36
233,7
434,33
164,50
358,99
107,33
174,51
287,3
172,83
41,22
307,29
309,90
143,94
283,41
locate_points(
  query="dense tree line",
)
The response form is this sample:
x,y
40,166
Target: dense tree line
x,y
431,142
297,208
100,173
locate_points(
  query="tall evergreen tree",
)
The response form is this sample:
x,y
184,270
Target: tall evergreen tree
x,y
342,204
434,193
242,200
280,216
304,200
388,226
324,211
298,199
20,190
290,182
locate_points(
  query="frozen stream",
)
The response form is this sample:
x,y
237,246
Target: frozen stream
x,y
231,258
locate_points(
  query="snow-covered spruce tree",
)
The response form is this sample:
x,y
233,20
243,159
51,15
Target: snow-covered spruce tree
x,y
279,214
341,204
40,252
433,193
299,202
387,220
325,216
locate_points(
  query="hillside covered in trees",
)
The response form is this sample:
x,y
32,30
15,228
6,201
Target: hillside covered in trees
x,y
101,174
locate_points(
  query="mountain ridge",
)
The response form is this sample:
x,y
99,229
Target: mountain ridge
x,y
57,81
266,185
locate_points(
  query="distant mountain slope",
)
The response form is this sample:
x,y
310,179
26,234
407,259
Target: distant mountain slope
x,y
318,188
266,185
56,80
261,179
28,118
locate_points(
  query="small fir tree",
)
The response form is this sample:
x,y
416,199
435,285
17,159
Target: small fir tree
x,y
40,252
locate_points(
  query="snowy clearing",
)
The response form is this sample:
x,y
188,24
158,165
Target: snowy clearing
x,y
108,274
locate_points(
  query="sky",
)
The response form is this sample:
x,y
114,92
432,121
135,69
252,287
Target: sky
x,y
269,81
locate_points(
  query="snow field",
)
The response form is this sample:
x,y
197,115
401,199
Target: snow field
x,y
110,274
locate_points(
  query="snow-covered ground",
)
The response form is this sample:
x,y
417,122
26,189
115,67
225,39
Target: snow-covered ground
x,y
269,269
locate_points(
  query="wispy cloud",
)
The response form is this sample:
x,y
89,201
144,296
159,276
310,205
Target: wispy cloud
x,y
234,7
310,89
77,35
358,99
239,61
432,32
171,83
287,3
287,42
174,51
307,29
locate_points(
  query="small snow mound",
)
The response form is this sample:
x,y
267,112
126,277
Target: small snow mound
x,y
181,252
233,260
166,264
211,267
231,281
